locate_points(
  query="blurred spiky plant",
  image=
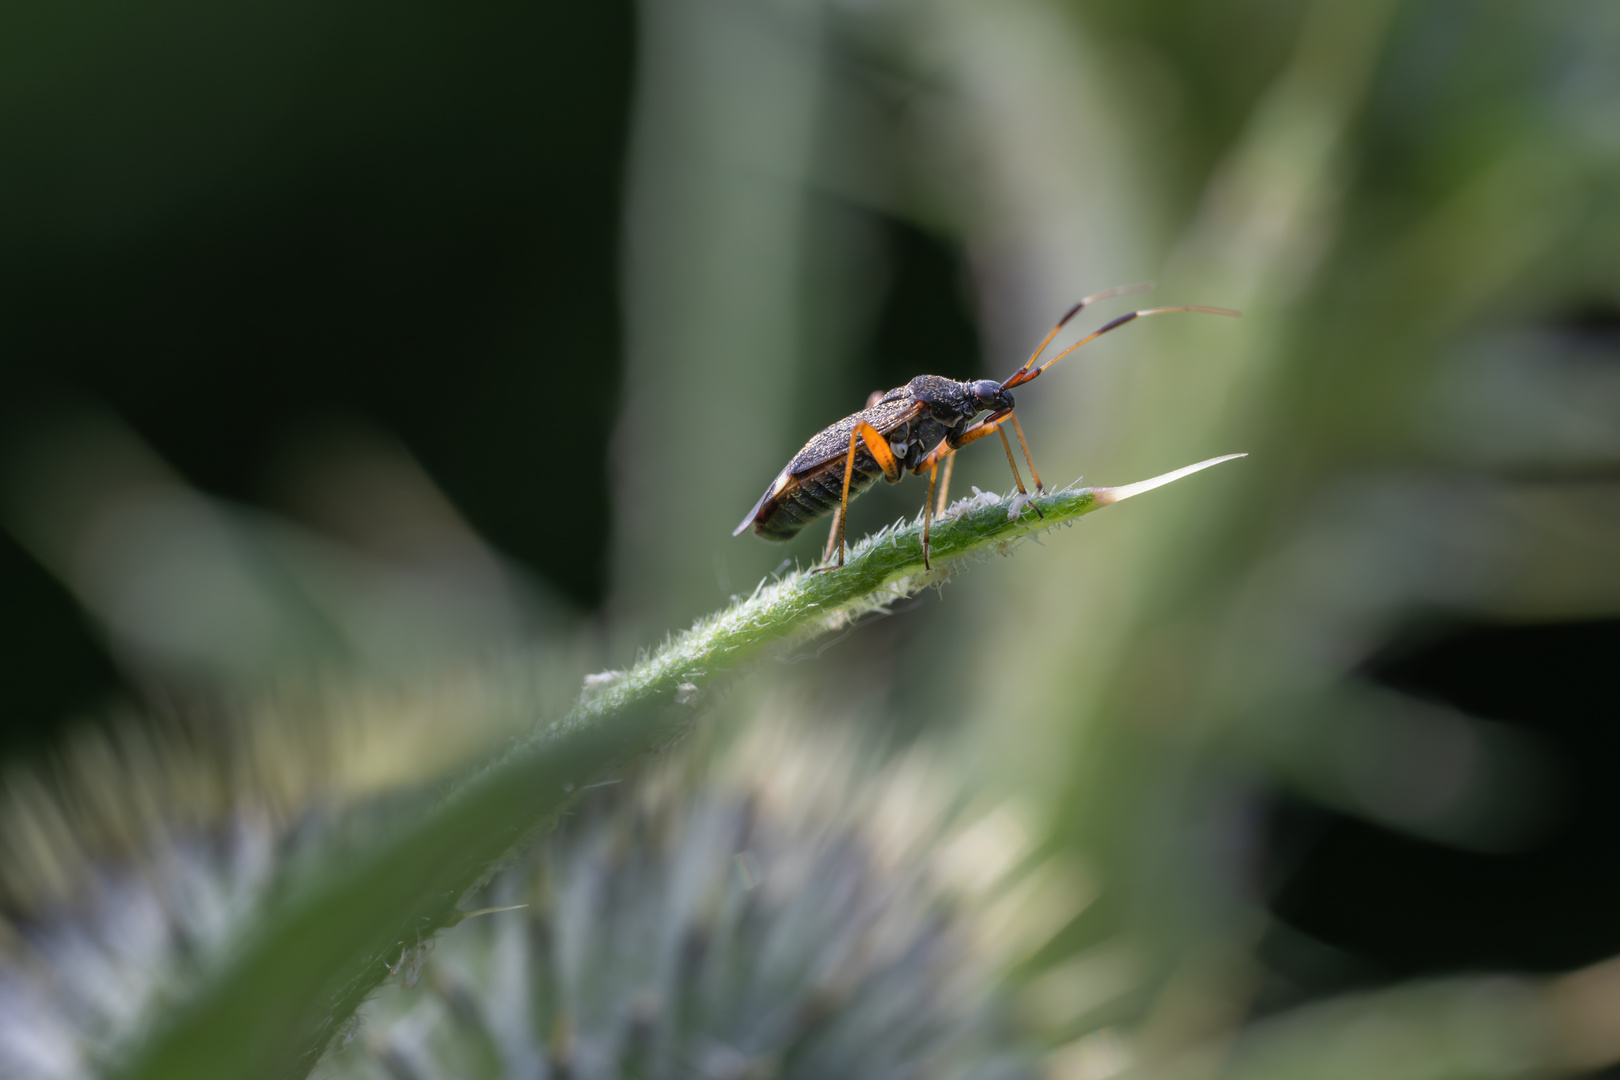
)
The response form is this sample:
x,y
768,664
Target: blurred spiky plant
x,y
1414,205
804,906
143,856
279,861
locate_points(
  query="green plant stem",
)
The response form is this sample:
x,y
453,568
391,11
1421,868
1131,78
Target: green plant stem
x,y
322,949
883,568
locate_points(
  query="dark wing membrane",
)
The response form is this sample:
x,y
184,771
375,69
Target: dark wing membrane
x,y
833,442
753,515
795,501
788,505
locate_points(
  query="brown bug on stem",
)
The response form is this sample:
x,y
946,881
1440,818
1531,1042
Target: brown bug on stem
x,y
914,427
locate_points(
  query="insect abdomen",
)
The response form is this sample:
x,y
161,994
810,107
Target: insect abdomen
x,y
814,495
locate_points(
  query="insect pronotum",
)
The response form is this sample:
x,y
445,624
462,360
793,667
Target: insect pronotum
x,y
914,427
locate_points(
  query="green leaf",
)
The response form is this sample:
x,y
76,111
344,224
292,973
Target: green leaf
x,y
324,946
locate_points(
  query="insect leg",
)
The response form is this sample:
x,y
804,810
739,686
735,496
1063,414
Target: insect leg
x,y
833,535
928,508
878,447
1019,430
1019,480
988,426
1007,446
945,488
945,449
843,504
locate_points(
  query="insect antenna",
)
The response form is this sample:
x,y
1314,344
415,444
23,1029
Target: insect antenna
x,y
1028,371
1084,302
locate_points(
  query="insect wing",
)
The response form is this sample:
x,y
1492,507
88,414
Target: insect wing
x,y
782,482
831,445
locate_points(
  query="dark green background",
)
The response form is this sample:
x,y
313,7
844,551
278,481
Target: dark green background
x,y
229,227
226,224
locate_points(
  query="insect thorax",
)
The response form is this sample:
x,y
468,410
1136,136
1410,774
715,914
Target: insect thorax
x,y
946,398
925,434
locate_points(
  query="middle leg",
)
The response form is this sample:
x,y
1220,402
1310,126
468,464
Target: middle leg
x,y
989,425
928,506
944,487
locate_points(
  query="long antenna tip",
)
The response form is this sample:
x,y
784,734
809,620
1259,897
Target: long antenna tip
x,y
1107,294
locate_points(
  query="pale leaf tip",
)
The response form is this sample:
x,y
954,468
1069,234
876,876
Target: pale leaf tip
x,y
1107,495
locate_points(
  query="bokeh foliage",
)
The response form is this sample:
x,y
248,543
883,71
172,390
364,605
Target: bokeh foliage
x,y
1415,205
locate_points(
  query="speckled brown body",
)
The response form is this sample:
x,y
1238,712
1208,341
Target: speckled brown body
x,y
913,418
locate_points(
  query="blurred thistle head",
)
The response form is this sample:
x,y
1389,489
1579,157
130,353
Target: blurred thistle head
x,y
138,855
793,904
782,908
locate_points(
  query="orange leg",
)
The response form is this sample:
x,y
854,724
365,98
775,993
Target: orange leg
x,y
1007,446
1019,430
945,488
878,447
1019,480
989,425
835,535
928,516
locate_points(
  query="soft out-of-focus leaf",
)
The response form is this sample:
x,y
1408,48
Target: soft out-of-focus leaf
x,y
319,952
323,949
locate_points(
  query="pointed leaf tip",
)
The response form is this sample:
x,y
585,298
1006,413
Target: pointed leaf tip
x,y
1107,495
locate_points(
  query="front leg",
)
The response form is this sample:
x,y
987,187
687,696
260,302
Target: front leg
x,y
952,443
990,424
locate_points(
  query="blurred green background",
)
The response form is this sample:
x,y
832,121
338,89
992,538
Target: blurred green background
x,y
363,338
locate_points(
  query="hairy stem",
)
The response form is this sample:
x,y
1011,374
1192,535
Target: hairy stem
x,y
881,569
318,950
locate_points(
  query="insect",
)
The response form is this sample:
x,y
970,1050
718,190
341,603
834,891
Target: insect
x,y
914,427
